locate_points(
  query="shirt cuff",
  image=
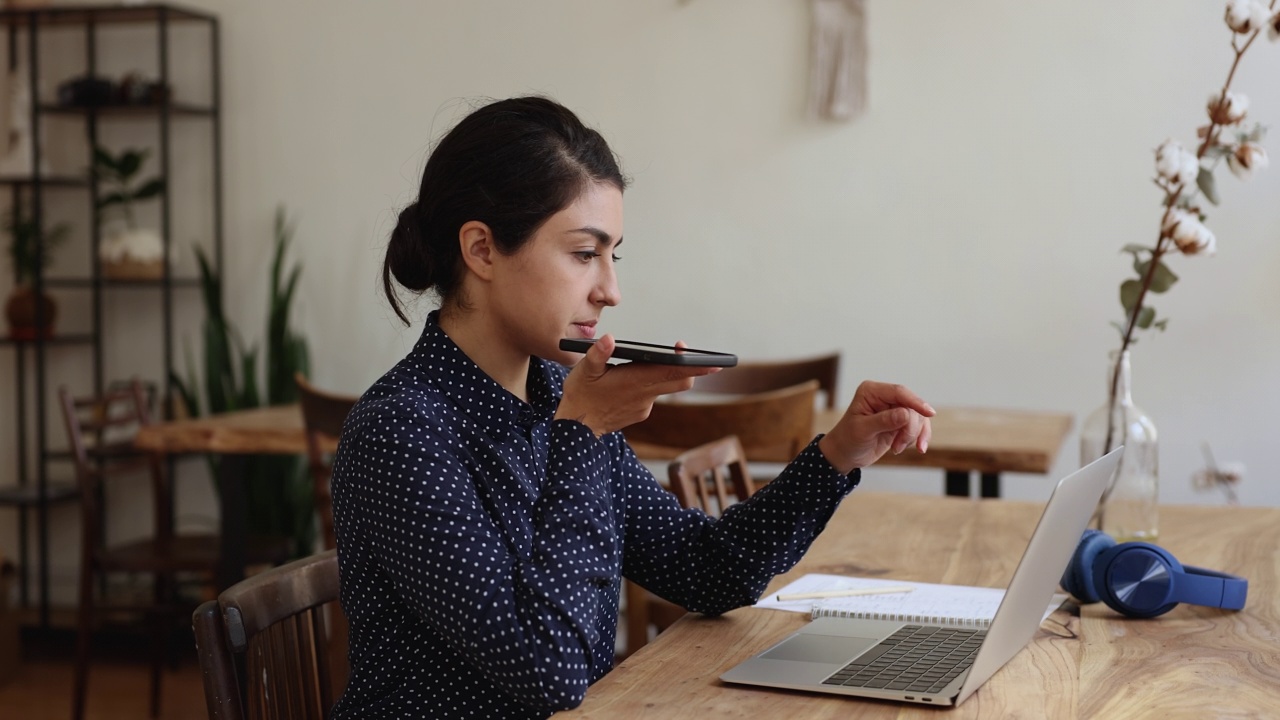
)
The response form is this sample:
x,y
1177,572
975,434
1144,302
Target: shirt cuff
x,y
819,468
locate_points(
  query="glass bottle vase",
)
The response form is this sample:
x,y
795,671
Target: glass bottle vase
x,y
1128,510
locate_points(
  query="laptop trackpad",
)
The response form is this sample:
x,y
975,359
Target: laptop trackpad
x,y
820,649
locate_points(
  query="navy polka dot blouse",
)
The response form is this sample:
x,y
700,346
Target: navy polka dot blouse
x,y
481,544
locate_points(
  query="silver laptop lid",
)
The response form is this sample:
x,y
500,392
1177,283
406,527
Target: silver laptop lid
x,y
1036,578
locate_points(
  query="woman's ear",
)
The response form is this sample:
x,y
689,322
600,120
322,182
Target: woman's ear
x,y
475,240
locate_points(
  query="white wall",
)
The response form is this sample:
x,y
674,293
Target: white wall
x,y
963,237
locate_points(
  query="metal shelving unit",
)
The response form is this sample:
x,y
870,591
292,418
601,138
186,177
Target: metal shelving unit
x,y
33,492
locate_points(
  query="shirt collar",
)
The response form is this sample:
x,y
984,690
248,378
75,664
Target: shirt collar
x,y
479,396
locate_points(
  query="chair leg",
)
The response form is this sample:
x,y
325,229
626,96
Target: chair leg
x,y
637,616
84,632
160,639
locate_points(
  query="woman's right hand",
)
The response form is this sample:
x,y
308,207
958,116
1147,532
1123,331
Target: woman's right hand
x,y
607,398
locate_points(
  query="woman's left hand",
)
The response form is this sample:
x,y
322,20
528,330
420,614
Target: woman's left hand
x,y
882,417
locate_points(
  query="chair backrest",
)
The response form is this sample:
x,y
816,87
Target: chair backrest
x,y
100,432
762,376
272,626
711,476
772,426
322,414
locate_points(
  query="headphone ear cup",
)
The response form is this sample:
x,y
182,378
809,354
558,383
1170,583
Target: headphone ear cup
x,y
1078,578
1136,579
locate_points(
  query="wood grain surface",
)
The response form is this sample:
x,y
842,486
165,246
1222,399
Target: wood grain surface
x,y
1086,662
273,430
988,440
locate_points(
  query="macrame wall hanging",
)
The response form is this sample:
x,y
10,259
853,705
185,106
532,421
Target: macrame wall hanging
x,y
838,59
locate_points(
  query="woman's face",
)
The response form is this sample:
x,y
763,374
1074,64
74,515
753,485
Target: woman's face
x,y
557,285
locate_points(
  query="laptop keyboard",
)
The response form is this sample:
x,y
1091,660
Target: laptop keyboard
x,y
916,658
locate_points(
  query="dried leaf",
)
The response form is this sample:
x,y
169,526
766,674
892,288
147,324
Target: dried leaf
x,y
1216,151
1145,316
1204,180
1163,278
1129,291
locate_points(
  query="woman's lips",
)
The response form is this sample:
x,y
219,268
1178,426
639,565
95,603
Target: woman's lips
x,y
585,330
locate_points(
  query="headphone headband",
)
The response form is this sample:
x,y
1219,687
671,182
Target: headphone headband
x,y
1200,586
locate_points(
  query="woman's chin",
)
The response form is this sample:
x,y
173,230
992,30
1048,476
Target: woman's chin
x,y
568,359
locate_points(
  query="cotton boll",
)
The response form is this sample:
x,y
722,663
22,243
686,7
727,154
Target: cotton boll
x,y
1175,164
1189,234
1229,109
1246,158
1246,16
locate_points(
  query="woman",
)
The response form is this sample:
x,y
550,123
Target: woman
x,y
486,506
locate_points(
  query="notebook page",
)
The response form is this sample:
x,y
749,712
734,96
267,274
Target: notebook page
x,y
925,599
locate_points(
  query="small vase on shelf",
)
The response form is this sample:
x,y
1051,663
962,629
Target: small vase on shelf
x,y
21,312
1128,510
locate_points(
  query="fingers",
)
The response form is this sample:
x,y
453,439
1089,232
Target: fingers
x,y
596,362
882,418
882,396
907,427
661,379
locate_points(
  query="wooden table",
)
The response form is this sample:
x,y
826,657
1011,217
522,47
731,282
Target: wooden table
x,y
235,436
988,441
1088,663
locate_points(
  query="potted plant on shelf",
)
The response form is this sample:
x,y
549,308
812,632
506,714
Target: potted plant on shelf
x,y
128,252
29,316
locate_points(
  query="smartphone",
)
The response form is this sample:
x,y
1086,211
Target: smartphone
x,y
660,354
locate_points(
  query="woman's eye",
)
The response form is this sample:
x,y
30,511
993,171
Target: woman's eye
x,y
586,256
616,258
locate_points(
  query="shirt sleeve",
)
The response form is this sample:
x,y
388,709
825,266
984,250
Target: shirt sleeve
x,y
524,618
713,566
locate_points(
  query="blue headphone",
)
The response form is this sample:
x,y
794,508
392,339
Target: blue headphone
x,y
1142,580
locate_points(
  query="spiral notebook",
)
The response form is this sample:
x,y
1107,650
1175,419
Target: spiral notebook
x,y
957,605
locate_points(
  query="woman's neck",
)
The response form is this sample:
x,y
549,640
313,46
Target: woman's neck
x,y
474,333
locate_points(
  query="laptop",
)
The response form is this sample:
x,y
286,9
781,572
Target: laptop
x,y
937,664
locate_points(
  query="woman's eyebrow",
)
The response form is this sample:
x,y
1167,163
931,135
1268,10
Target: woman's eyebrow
x,y
601,236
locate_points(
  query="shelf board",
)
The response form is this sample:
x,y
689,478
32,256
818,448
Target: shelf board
x,y
51,181
86,283
176,109
29,494
60,339
100,14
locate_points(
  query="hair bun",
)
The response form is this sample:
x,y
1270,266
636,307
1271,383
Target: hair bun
x,y
408,257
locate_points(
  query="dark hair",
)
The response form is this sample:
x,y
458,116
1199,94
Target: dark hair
x,y
510,165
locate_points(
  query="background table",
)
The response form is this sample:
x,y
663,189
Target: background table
x,y
987,441
966,440
1084,662
235,436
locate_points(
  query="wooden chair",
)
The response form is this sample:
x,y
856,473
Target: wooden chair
x,y
270,631
100,431
711,477
762,376
322,414
772,426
